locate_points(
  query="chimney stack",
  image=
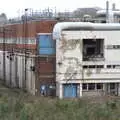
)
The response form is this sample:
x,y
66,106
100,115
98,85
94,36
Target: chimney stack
x,y
113,6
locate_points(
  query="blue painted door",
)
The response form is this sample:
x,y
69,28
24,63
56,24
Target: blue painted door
x,y
70,90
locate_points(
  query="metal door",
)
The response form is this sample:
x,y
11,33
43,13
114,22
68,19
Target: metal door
x,y
70,90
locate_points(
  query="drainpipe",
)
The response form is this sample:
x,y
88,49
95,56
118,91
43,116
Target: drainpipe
x,y
107,11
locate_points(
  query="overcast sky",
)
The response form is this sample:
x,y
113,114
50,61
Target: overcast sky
x,y
15,7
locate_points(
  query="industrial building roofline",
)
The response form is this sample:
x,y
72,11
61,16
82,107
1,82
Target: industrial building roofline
x,y
103,12
59,27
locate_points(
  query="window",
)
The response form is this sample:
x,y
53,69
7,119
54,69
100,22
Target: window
x,y
112,85
91,86
109,66
99,86
113,66
92,66
113,46
84,86
93,49
100,66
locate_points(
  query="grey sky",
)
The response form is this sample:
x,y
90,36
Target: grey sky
x,y
15,7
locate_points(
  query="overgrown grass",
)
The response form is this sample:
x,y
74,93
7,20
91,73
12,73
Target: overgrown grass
x,y
21,106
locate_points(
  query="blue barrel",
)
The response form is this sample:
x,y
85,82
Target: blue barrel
x,y
46,45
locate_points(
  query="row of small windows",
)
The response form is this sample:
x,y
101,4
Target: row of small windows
x,y
113,47
92,86
100,66
93,66
18,41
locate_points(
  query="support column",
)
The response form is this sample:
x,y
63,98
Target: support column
x,y
80,90
108,88
60,90
104,89
118,89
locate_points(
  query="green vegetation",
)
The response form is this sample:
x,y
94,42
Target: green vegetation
x,y
18,105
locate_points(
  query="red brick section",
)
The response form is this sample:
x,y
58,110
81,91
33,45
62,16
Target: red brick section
x,y
31,28
46,72
45,68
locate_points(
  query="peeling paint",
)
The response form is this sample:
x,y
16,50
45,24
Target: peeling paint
x,y
69,44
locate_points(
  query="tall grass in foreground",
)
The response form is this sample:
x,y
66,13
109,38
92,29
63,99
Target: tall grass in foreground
x,y
22,106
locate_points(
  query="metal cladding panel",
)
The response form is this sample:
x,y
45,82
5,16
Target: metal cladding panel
x,y
46,45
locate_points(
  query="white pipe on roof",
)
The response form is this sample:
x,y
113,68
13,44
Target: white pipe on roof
x,y
103,12
59,27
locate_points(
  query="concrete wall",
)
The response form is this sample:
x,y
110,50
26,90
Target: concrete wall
x,y
69,62
69,54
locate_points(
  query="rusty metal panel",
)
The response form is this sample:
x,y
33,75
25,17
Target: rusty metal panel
x,y
46,65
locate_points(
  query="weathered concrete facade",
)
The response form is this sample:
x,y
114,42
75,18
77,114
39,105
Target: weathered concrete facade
x,y
86,69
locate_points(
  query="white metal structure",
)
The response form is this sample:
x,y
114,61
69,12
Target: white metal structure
x,y
87,59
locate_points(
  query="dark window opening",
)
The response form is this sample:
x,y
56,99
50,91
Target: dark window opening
x,y
91,86
103,21
109,66
85,66
113,66
84,86
93,49
112,85
100,66
99,86
93,66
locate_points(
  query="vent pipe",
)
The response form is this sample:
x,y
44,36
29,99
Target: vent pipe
x,y
107,11
59,27
113,7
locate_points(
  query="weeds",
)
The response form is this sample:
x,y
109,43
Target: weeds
x,y
24,107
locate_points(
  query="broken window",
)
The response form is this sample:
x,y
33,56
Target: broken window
x,y
92,49
84,86
99,86
91,86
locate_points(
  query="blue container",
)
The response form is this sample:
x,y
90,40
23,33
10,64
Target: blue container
x,y
46,44
70,90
